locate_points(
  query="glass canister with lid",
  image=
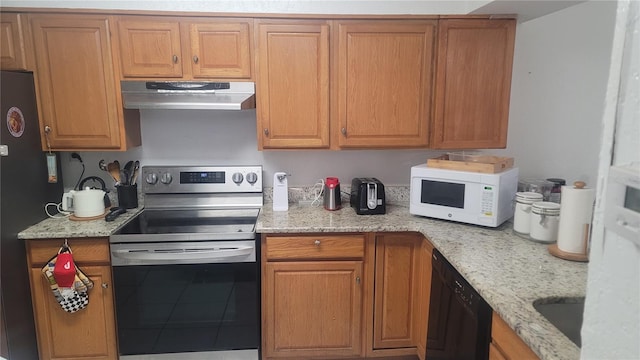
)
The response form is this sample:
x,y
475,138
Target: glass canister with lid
x,y
558,183
545,219
522,215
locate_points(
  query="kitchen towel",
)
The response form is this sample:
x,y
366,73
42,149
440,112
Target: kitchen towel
x,y
576,210
75,296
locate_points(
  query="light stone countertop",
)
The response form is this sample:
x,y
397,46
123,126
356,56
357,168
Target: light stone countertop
x,y
54,228
509,272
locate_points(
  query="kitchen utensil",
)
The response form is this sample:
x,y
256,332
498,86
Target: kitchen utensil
x,y
280,192
134,174
332,199
128,171
84,203
114,170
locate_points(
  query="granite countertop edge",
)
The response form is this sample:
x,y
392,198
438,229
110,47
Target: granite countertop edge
x,y
64,227
509,272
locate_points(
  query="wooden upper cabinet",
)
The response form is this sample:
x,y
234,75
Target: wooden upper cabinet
x,y
473,83
78,93
12,46
384,83
293,84
184,48
220,49
150,47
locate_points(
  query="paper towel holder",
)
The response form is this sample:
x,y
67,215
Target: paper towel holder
x,y
582,257
555,251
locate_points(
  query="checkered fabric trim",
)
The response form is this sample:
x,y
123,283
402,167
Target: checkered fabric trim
x,y
75,302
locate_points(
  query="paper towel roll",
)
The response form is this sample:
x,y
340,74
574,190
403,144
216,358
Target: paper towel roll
x,y
576,210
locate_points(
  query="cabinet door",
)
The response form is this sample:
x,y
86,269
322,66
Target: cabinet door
x,y
149,47
12,51
384,82
424,296
506,344
76,84
220,49
312,309
473,83
87,334
396,290
293,85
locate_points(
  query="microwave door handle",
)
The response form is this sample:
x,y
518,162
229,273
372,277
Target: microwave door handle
x,y
184,254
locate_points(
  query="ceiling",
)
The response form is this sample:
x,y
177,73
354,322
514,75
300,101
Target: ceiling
x,y
524,9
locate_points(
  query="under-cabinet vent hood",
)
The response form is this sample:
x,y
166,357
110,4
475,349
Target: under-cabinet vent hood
x,y
188,95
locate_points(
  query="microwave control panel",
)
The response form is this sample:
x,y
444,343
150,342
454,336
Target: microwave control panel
x,y
488,200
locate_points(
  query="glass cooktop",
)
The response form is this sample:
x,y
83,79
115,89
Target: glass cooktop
x,y
165,225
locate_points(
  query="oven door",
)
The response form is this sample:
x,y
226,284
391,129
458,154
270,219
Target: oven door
x,y
199,298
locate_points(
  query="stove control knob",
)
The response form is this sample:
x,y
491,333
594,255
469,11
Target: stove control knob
x,y
237,178
166,178
152,178
252,178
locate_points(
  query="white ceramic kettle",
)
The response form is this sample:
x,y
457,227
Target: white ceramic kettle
x,y
84,203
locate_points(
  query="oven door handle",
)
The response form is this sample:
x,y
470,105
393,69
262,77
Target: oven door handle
x,y
183,254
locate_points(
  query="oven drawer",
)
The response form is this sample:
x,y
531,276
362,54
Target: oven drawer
x,y
315,247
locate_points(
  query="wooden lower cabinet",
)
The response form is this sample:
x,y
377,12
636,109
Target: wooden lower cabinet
x,y
313,308
400,298
506,344
312,302
345,296
89,333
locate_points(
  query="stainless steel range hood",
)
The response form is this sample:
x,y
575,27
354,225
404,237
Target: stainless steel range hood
x,y
188,95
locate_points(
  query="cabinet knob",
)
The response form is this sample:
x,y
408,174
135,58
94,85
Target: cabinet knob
x,y
47,129
195,59
175,59
344,131
317,242
105,285
266,132
358,280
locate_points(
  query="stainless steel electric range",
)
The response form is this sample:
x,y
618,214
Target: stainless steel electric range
x,y
185,273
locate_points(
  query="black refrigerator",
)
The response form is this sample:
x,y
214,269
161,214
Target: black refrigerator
x,y
24,191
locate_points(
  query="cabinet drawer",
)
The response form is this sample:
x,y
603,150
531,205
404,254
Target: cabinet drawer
x,y
315,247
87,250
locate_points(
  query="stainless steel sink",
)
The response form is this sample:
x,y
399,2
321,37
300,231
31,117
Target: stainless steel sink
x,y
565,314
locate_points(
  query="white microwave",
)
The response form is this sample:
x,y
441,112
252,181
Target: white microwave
x,y
463,196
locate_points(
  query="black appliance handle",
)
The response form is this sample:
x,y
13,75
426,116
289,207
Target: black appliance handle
x,y
97,179
160,85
